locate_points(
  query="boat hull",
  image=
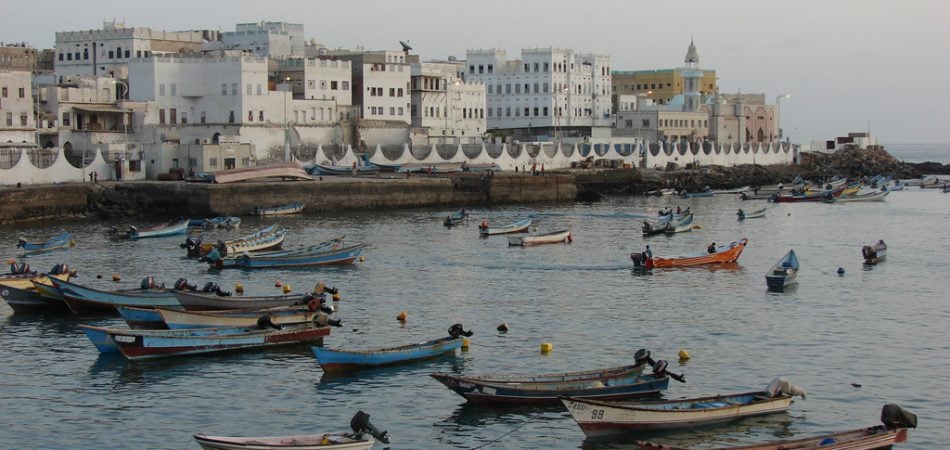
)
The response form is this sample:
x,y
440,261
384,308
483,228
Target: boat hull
x,y
783,273
193,301
30,300
338,360
515,227
554,237
175,319
335,441
729,255
180,227
81,299
860,439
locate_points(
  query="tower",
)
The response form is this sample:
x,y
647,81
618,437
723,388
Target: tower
x,y
691,78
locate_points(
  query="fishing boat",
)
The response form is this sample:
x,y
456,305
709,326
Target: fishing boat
x,y
553,237
102,337
680,225
151,344
60,241
485,229
341,256
895,187
455,218
876,196
723,254
81,299
783,273
178,226
227,222
196,248
894,430
266,242
232,260
362,438
738,190
340,360
805,197
196,301
22,296
280,315
599,418
696,194
283,171
654,227
611,383
874,253
329,169
742,215
292,208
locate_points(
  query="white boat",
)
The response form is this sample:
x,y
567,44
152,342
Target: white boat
x,y
731,191
515,227
553,237
361,438
876,196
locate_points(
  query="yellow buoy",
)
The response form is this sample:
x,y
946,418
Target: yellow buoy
x,y
684,355
336,297
72,243
546,347
402,316
239,288
116,277
465,343
286,288
362,258
697,227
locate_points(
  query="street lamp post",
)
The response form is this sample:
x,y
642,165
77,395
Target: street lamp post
x,y
778,121
286,123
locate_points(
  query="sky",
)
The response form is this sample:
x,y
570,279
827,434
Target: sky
x,y
849,65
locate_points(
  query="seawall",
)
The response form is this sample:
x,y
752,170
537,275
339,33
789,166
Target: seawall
x,y
30,203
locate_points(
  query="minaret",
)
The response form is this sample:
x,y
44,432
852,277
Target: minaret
x,y
691,78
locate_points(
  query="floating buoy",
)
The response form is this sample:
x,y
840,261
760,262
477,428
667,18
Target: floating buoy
x,y
841,271
277,283
683,354
239,288
402,316
362,258
116,278
546,347
286,288
789,214
857,385
697,227
72,243
336,296
465,343
503,328
99,275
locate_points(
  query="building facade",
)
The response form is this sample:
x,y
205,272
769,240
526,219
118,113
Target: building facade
x,y
450,109
17,120
274,40
381,87
546,94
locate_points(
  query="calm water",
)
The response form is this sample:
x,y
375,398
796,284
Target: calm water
x,y
917,153
885,329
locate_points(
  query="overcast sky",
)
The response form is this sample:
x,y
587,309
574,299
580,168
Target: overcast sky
x,y
846,63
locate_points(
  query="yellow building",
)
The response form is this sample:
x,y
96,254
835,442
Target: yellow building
x,y
659,85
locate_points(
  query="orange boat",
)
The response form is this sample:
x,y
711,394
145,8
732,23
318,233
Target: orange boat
x,y
723,254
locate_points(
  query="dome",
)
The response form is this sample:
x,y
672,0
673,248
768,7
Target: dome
x,y
677,100
692,56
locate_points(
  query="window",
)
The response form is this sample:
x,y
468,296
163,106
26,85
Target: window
x,y
498,112
545,88
184,117
526,68
490,88
490,68
173,115
518,88
507,88
174,90
161,90
69,56
392,111
471,69
645,123
536,90
527,111
231,116
346,85
481,68
535,111
138,53
258,89
65,119
333,85
536,67
401,111
23,119
545,67
224,89
212,162
392,92
234,90
203,116
260,116
60,56
250,88
399,92
323,84
527,88
22,92
3,92
161,116
127,53
250,116
507,112
310,84
545,111
111,55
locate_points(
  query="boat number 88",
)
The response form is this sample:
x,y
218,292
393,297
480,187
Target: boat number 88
x,y
597,414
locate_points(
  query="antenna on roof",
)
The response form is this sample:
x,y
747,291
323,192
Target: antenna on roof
x,y
405,46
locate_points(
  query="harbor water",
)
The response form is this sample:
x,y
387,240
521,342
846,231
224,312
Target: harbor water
x,y
855,342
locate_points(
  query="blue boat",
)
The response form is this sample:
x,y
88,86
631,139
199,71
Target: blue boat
x,y
329,169
783,273
61,240
166,229
345,255
141,318
82,299
339,360
455,218
292,208
102,337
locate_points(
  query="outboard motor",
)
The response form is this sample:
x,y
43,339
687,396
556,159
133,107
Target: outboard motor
x,y
893,416
659,370
148,283
265,322
642,356
59,269
19,268
331,290
182,285
360,424
21,243
210,287
457,330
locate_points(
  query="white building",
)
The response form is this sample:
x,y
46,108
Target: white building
x,y
107,51
547,92
275,40
450,109
380,84
17,121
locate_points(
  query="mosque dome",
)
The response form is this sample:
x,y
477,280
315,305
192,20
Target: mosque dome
x,y
692,56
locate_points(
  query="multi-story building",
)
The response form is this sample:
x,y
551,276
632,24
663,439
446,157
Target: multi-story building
x,y
548,93
381,86
443,103
108,51
17,122
274,40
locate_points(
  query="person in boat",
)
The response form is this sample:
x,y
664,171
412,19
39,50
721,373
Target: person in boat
x,y
711,248
484,225
648,253
741,213
678,210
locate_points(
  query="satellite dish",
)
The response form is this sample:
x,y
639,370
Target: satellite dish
x,y
405,46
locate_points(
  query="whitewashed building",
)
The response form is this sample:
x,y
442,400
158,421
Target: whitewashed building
x,y
548,91
108,51
275,40
449,108
380,84
17,121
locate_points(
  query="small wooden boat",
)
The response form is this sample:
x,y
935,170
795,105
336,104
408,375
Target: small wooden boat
x,y
654,227
266,242
280,315
723,254
877,196
514,227
742,215
696,194
341,256
227,222
896,422
339,360
783,273
60,241
738,190
166,229
360,439
553,237
874,253
196,301
329,169
612,383
196,248
81,299
151,344
680,225
895,187
431,169
283,171
598,418
815,197
455,218
292,208
22,296
232,260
